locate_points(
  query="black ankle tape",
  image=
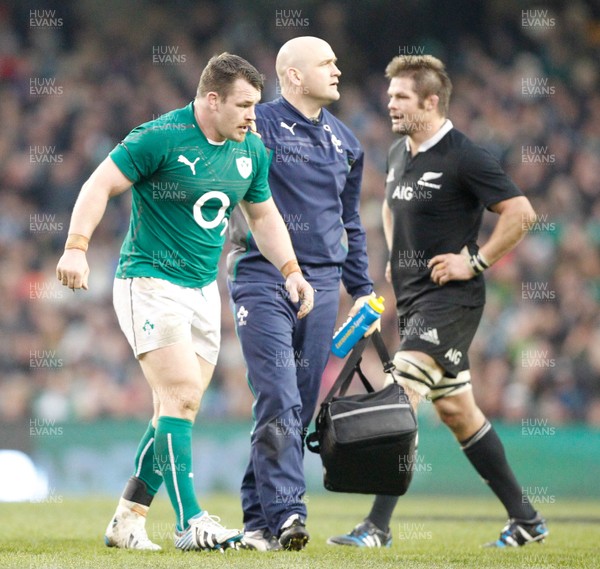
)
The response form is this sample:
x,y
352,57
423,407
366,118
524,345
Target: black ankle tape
x,y
137,491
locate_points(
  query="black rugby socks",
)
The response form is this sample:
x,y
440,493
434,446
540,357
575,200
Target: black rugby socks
x,y
486,452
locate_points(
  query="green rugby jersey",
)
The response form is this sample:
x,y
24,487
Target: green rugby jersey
x,y
184,189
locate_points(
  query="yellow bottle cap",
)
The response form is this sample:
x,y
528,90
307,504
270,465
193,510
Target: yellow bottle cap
x,y
377,304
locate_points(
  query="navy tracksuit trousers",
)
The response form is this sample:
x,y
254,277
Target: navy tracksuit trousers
x,y
285,358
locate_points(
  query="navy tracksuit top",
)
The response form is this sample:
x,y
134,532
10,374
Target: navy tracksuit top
x,y
315,177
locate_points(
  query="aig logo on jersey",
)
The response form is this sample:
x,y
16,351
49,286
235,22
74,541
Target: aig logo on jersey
x,y
405,192
422,190
410,192
244,166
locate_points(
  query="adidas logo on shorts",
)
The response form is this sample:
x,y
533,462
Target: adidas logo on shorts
x,y
431,336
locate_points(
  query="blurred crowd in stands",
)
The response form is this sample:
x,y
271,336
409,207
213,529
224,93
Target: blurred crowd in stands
x,y
76,77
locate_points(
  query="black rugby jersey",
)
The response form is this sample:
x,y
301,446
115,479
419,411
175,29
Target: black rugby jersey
x,y
437,200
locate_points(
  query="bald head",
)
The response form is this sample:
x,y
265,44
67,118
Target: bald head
x,y
297,52
307,72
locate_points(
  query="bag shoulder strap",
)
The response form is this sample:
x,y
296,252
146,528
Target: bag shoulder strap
x,y
352,365
363,379
344,378
384,355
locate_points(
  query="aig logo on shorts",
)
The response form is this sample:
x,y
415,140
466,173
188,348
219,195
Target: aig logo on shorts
x,y
453,355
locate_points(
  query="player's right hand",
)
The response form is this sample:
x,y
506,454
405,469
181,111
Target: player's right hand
x,y
73,270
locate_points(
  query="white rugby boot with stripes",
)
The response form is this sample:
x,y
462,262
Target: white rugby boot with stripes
x,y
127,530
206,533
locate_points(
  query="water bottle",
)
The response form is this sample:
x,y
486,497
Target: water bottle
x,y
355,327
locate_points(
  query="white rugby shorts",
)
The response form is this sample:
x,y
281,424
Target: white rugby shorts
x,y
155,313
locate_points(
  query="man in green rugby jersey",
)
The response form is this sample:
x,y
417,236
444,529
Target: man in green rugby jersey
x,y
187,171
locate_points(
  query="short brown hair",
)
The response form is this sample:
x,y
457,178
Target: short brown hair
x,y
429,75
223,70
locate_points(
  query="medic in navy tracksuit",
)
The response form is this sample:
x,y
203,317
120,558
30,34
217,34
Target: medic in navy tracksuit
x,y
315,177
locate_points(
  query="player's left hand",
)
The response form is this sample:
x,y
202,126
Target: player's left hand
x,y
450,267
300,289
358,305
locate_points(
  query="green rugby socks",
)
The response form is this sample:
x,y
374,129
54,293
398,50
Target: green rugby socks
x,y
173,457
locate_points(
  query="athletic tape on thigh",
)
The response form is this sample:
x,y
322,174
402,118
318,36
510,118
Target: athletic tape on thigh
x,y
409,367
450,386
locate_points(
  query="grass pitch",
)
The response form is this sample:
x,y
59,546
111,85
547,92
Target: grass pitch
x,y
432,533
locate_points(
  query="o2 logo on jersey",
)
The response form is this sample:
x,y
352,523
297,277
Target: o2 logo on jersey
x,y
337,143
219,218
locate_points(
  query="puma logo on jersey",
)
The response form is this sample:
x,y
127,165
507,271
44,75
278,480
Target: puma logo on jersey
x,y
192,165
290,128
453,355
425,179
